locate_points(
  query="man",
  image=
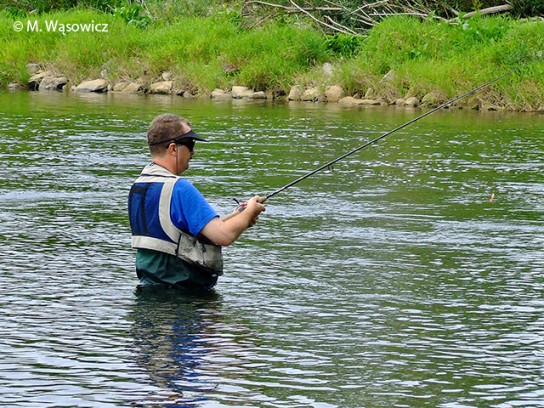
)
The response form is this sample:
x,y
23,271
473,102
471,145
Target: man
x,y
178,236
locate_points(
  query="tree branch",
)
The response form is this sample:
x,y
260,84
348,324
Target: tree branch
x,y
296,8
317,20
489,10
371,12
345,29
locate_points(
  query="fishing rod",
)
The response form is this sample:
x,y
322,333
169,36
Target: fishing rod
x,y
383,136
377,139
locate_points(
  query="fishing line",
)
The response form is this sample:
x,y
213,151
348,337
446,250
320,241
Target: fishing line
x,y
377,139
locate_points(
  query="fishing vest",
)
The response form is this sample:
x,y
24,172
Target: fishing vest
x,y
152,228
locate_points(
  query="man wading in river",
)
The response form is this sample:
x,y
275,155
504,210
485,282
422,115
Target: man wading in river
x,y
178,236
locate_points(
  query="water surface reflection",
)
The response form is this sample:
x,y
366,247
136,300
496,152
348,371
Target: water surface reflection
x,y
173,333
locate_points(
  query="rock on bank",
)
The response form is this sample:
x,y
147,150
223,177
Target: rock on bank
x,y
48,80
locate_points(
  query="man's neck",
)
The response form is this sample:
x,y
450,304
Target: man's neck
x,y
160,161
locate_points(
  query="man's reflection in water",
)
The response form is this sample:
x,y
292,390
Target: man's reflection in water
x,y
171,331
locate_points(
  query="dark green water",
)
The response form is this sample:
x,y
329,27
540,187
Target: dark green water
x,y
390,281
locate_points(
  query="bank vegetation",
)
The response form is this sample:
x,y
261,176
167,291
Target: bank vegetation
x,y
273,48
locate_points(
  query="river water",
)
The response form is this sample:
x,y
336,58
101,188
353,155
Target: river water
x,y
392,280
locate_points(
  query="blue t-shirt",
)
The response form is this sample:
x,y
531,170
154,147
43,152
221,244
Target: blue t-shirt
x,y
190,212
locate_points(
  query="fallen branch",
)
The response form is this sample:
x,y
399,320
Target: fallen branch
x,y
296,8
317,20
369,5
369,14
346,29
489,10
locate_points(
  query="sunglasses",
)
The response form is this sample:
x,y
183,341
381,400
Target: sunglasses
x,y
190,143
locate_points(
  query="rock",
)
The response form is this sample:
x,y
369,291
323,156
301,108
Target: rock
x,y
348,100
14,86
119,86
259,95
188,95
97,85
166,76
33,68
334,93
134,87
163,88
35,80
239,92
243,92
369,93
220,94
311,95
433,99
368,102
351,101
400,102
295,94
53,83
412,101
127,87
327,69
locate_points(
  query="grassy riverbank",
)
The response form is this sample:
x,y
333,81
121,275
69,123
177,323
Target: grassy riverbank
x,y
204,53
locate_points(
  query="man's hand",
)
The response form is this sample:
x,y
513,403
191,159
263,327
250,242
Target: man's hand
x,y
224,231
254,207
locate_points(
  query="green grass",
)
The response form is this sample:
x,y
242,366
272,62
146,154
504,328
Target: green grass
x,y
206,52
219,51
432,56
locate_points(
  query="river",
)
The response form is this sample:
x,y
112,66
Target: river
x,y
409,275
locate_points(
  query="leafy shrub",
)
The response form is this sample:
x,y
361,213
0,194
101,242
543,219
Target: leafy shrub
x,y
527,8
133,15
45,6
344,45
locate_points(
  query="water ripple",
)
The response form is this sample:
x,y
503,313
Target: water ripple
x,y
391,280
